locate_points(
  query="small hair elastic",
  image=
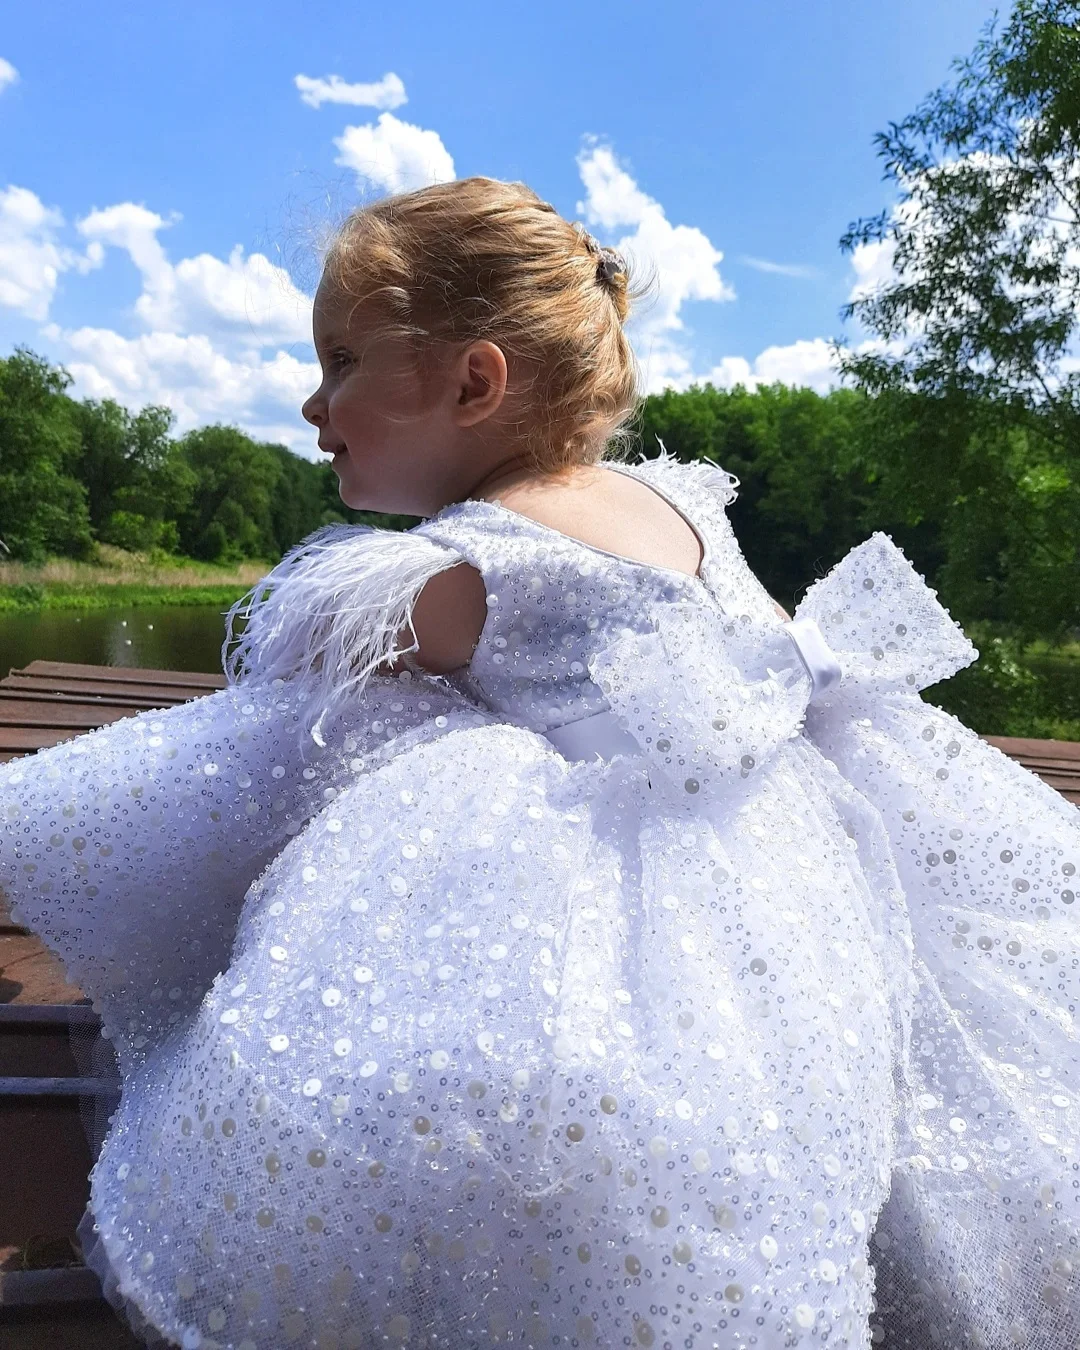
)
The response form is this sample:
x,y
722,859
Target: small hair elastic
x,y
610,261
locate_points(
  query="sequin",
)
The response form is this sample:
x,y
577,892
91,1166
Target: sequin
x,y
760,1037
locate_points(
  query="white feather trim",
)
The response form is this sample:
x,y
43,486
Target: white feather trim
x,y
706,473
330,613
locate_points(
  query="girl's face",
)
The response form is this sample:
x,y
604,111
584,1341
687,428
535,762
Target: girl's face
x,y
371,416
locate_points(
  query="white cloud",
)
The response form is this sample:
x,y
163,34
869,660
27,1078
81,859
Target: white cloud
x,y
872,264
807,363
799,271
248,300
687,268
395,155
196,379
389,92
686,261
683,259
211,324
8,74
31,258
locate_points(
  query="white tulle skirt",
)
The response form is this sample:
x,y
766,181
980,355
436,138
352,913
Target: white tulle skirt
x,y
430,1036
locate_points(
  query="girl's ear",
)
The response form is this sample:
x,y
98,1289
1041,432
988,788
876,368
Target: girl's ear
x,y
481,382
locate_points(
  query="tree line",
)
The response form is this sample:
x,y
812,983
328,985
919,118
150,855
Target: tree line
x,y
78,472
975,498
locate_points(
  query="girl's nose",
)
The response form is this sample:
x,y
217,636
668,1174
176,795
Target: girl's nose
x,y
313,411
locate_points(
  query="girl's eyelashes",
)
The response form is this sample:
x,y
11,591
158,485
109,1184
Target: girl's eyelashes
x,y
339,358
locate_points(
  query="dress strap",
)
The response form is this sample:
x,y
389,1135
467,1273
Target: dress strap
x,y
704,491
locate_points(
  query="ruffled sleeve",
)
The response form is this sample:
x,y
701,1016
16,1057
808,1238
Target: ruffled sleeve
x,y
332,612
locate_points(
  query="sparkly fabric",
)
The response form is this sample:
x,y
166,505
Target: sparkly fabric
x,y
763,1036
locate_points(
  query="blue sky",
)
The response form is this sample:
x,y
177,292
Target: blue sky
x,y
164,181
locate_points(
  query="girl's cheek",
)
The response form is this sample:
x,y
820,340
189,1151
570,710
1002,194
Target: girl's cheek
x,y
338,402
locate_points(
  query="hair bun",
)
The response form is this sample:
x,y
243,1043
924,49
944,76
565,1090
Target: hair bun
x,y
610,264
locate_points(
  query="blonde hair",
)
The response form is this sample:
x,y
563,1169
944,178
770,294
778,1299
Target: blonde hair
x,y
477,259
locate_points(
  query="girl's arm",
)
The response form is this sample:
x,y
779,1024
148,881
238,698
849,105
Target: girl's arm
x,y
448,617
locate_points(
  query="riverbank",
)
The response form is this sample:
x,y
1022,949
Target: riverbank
x,y
122,580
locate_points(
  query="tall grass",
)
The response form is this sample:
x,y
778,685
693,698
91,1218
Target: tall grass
x,y
117,567
117,578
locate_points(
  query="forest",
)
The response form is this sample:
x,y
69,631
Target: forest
x,y
978,497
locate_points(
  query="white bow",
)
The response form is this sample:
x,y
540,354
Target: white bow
x,y
709,697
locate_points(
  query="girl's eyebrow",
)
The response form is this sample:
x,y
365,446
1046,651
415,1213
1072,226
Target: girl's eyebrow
x,y
330,340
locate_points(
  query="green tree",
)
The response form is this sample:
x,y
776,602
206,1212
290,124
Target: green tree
x,y
975,372
137,482
228,517
42,504
301,500
804,497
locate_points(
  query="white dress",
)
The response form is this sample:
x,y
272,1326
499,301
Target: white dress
x,y
742,1014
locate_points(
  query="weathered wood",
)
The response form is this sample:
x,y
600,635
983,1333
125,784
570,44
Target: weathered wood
x,y
73,670
29,712
24,740
8,694
1057,763
1017,746
58,1087
48,702
150,695
35,1288
57,1015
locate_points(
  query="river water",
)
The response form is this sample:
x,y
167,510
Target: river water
x,y
162,637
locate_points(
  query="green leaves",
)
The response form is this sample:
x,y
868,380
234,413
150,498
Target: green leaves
x,y
74,472
975,376
42,503
985,294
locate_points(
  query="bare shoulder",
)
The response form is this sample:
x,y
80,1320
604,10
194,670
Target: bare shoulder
x,y
612,511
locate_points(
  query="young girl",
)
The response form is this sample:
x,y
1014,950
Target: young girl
x,y
542,941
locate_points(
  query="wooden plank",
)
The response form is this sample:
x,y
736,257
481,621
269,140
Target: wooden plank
x,y
62,1015
1017,747
73,670
58,1087
110,699
1065,766
1060,782
36,1288
24,740
28,712
148,694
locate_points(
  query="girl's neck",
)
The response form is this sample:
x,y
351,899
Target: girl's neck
x,y
510,474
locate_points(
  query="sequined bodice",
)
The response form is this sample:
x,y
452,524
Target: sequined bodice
x,y
553,600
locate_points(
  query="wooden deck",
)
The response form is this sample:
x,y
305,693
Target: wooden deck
x,y
50,701
1056,762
